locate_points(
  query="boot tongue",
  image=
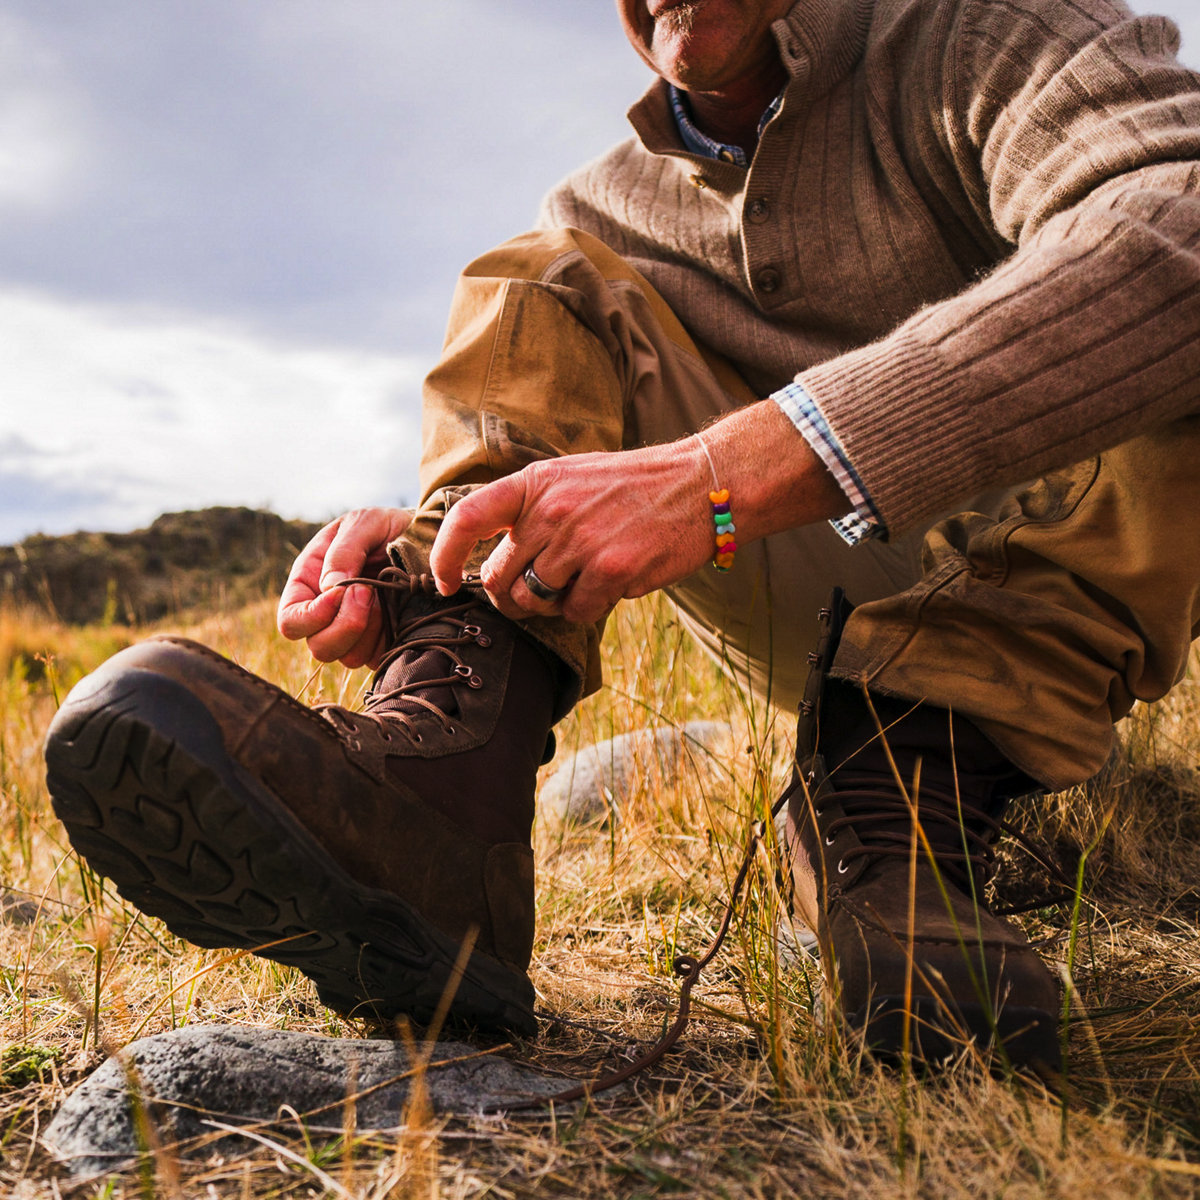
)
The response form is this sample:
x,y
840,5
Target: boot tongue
x,y
419,664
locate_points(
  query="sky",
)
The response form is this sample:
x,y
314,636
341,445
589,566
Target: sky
x,y
229,233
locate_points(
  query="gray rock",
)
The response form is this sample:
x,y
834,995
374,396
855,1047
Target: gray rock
x,y
17,909
235,1076
595,782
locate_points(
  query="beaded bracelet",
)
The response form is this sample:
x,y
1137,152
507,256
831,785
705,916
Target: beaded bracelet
x,y
722,517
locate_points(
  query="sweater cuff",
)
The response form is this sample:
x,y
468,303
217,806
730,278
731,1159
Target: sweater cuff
x,y
801,409
896,409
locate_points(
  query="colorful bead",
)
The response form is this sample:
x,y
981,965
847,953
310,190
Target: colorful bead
x,y
723,528
722,516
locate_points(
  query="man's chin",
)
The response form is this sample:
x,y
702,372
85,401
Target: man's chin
x,y
695,59
698,44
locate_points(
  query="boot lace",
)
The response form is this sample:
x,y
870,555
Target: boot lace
x,y
398,588
961,836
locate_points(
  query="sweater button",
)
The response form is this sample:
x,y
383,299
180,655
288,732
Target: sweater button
x,y
768,280
758,210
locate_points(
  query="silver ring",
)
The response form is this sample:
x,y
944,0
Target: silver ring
x,y
540,588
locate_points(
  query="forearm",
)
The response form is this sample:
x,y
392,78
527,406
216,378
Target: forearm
x,y
775,479
604,527
1077,343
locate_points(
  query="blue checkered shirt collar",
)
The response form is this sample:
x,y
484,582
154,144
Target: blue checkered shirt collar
x,y
701,143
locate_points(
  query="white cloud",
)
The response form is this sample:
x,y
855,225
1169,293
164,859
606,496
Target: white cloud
x,y
110,417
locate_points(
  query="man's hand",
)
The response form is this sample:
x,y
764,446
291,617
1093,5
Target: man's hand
x,y
342,624
606,526
618,525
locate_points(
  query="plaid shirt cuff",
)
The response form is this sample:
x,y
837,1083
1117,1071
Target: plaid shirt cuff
x,y
801,409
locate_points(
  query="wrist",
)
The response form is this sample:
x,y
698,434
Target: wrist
x,y
775,479
724,529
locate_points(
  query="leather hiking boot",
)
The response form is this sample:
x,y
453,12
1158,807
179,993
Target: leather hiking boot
x,y
361,847
915,961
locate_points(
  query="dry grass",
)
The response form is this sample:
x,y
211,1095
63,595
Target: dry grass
x,y
759,1099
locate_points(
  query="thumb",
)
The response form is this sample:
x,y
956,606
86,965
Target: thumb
x,y
359,538
481,514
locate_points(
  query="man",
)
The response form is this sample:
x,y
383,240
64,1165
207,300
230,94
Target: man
x,y
873,261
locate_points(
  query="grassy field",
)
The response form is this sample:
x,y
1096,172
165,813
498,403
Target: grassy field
x,y
760,1098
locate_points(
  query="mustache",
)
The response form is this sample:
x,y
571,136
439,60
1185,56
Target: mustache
x,y
679,18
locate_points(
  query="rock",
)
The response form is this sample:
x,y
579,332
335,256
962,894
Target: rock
x,y
16,909
795,942
236,1076
598,780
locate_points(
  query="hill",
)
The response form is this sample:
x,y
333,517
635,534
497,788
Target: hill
x,y
214,557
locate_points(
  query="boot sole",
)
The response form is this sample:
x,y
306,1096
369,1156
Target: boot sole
x,y
139,775
1016,1037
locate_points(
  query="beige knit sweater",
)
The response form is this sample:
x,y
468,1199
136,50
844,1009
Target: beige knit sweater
x,y
972,233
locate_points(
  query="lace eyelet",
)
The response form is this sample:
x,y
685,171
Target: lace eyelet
x,y
451,731
829,841
416,737
483,640
463,670
841,868
475,682
472,630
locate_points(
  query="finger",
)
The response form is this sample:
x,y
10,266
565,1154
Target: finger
x,y
353,634
595,593
517,602
355,544
298,619
302,610
481,514
529,598
587,609
359,543
504,567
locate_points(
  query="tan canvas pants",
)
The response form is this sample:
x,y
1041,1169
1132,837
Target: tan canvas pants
x,y
1042,615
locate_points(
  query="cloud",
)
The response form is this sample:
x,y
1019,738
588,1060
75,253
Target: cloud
x,y
193,194
230,231
25,496
42,127
309,169
112,417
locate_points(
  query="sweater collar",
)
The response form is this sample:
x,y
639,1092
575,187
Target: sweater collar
x,y
820,42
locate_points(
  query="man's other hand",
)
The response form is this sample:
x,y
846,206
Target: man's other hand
x,y
603,526
342,624
614,526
